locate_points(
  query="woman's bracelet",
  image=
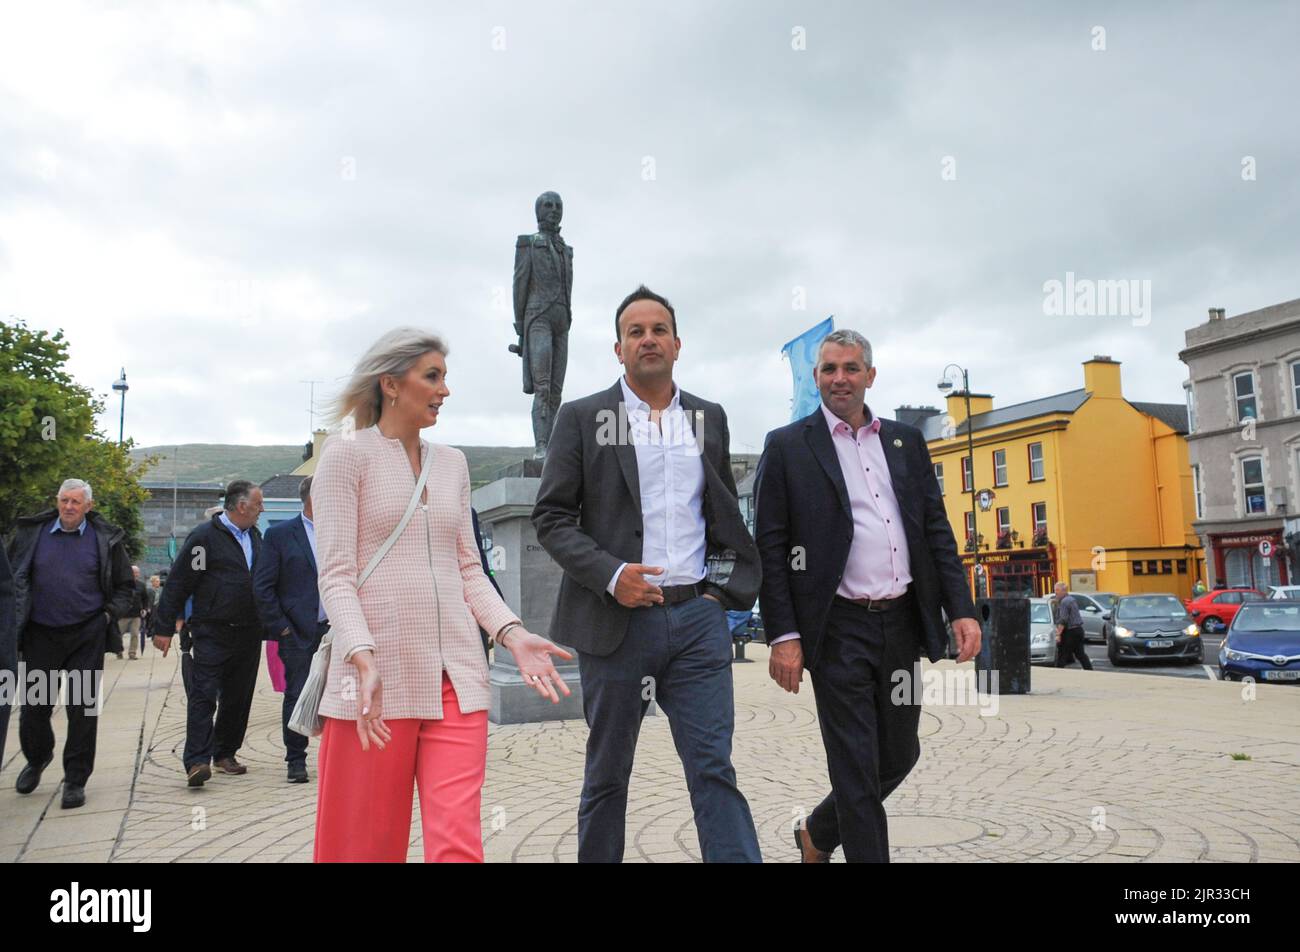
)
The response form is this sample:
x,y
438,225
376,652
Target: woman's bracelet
x,y
505,630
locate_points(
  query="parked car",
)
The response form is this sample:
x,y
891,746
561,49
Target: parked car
x,y
1042,632
1287,592
1153,627
1215,610
1095,607
1263,643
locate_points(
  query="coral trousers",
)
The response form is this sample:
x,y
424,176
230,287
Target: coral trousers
x,y
363,807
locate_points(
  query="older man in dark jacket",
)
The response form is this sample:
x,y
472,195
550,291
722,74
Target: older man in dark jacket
x,y
215,568
72,581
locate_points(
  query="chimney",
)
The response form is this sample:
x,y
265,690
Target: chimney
x,y
1101,377
979,403
1216,313
914,416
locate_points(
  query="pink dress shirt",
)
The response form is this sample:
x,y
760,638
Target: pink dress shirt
x,y
878,559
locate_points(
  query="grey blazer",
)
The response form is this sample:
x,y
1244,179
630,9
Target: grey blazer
x,y
588,517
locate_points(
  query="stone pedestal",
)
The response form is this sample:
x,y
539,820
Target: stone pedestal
x,y
530,581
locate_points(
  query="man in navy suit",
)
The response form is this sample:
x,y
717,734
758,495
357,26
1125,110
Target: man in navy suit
x,y
288,601
858,558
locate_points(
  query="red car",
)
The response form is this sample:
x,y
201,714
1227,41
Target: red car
x,y
1215,610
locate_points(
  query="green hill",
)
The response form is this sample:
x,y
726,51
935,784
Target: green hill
x,y
222,462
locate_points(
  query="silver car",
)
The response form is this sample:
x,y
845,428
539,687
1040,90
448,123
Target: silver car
x,y
1095,607
1042,633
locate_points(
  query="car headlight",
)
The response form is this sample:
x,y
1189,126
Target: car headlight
x,y
1039,639
1122,632
1192,630
1234,655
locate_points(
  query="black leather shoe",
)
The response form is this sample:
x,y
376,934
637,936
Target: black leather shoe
x,y
30,776
74,795
297,773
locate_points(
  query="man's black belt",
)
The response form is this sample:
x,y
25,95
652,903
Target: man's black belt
x,y
681,593
879,604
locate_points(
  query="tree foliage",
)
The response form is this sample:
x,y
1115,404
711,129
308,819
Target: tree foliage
x,y
48,434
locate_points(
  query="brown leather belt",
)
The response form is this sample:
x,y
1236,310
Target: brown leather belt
x,y
879,604
681,593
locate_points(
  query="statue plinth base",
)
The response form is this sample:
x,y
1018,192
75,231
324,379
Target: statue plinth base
x,y
530,582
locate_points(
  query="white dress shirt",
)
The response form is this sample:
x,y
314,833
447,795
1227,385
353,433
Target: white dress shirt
x,y
671,474
311,540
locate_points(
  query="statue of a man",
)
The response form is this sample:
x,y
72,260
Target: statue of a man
x,y
543,302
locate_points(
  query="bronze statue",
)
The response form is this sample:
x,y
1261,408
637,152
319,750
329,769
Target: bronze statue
x,y
543,313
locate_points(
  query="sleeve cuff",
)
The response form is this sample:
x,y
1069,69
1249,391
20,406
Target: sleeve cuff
x,y
613,582
793,635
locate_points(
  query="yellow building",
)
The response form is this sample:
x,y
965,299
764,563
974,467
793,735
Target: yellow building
x,y
1083,487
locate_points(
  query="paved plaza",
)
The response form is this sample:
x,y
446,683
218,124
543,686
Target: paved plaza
x,y
1090,767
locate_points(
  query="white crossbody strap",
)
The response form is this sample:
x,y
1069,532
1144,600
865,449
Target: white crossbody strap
x,y
406,517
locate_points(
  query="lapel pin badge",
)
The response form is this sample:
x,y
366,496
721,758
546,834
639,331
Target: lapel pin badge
x,y
898,442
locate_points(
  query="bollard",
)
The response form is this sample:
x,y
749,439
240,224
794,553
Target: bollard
x,y
1004,644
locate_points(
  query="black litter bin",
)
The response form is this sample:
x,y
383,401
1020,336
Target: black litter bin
x,y
1004,646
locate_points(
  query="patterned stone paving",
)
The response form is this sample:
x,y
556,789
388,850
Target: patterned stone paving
x,y
1090,767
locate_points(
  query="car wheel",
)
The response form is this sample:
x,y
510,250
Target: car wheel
x,y
1213,625
1114,658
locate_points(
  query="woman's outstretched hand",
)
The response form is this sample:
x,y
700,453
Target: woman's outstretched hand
x,y
533,656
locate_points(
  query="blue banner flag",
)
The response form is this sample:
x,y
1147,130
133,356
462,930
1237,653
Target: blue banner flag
x,y
802,354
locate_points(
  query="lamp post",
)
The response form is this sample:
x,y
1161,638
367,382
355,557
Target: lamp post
x,y
121,387
944,386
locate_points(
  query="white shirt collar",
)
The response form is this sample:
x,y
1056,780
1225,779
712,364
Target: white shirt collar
x,y
636,403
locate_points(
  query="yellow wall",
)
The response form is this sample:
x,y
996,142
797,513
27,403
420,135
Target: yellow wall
x,y
1115,478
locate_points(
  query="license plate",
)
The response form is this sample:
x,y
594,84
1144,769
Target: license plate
x,y
1282,675
1160,644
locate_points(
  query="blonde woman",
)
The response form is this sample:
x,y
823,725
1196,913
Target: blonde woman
x,y
406,699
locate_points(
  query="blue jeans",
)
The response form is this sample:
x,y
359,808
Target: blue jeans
x,y
679,656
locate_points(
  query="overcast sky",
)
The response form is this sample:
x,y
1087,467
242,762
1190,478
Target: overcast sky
x,y
229,199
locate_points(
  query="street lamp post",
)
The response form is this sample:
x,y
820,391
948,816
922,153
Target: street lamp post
x,y
944,386
121,387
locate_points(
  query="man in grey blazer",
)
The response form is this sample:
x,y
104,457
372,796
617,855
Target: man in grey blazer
x,y
638,506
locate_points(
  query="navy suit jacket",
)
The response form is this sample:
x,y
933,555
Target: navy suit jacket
x,y
804,528
284,583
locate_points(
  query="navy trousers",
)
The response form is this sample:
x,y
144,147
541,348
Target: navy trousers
x,y
220,675
871,743
680,657
297,665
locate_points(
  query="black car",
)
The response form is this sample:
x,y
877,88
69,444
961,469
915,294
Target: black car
x,y
1152,627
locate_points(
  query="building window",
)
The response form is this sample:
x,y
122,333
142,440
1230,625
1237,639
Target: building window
x,y
1137,566
999,467
938,474
1004,528
1236,566
1295,386
1182,566
1038,516
966,480
970,526
1152,569
1196,491
1166,567
1035,462
1191,409
1252,484
1243,386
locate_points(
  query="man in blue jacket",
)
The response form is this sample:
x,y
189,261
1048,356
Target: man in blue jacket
x,y
288,601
